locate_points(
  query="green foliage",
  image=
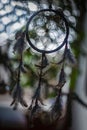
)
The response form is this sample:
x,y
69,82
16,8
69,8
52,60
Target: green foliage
x,y
73,78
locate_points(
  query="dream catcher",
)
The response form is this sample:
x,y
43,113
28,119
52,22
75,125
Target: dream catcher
x,y
47,33
50,34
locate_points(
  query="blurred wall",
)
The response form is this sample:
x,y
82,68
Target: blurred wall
x,y
79,117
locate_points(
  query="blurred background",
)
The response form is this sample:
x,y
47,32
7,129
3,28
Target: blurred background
x,y
14,15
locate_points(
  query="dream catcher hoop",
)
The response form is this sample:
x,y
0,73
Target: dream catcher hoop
x,y
50,29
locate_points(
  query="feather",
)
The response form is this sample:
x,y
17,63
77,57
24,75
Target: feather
x,y
43,63
41,101
23,102
44,60
20,42
12,102
70,57
15,106
62,79
14,92
56,109
19,45
17,95
23,69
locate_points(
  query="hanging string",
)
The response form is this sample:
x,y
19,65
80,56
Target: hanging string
x,y
36,97
50,3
